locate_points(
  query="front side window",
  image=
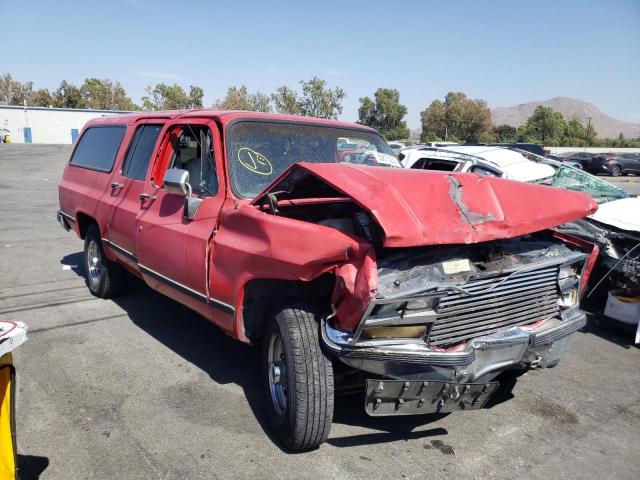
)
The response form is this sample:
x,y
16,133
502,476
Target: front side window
x,y
258,152
137,161
193,152
97,148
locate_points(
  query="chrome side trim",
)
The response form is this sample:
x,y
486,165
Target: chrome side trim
x,y
120,250
226,308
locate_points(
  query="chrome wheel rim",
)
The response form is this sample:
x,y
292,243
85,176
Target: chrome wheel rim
x,y
277,373
94,262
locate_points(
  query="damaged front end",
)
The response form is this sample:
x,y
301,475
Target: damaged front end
x,y
463,314
462,280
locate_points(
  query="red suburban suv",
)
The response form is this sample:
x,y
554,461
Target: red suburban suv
x,y
420,287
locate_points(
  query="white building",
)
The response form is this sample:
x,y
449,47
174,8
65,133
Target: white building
x,y
46,125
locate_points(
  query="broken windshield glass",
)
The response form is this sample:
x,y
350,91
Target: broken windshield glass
x,y
574,179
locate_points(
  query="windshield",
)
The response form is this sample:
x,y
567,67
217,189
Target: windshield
x,y
258,151
574,179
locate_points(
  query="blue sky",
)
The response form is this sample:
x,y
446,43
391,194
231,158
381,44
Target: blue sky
x,y
506,52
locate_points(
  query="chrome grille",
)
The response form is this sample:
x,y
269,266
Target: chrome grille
x,y
492,306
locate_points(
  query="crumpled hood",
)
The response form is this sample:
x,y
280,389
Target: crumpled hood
x,y
421,207
623,213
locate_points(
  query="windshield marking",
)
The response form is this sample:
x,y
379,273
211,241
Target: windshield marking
x,y
254,161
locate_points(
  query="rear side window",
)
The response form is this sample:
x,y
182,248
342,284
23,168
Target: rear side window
x,y
482,170
98,147
139,154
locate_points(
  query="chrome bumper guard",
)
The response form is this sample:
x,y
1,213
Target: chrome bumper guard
x,y
515,342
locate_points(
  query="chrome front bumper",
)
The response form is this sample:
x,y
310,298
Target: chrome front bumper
x,y
481,358
66,221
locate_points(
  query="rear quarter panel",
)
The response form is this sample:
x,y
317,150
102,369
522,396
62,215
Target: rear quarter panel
x,y
81,189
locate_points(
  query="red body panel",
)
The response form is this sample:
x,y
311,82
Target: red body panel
x,y
230,242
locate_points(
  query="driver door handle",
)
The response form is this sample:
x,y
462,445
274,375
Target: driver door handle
x,y
117,185
146,196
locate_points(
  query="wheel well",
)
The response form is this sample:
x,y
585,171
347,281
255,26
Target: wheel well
x,y
84,221
261,296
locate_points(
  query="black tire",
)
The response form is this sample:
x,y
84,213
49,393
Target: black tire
x,y
305,420
616,171
109,279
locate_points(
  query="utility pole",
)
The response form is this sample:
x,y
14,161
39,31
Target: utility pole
x,y
588,128
446,130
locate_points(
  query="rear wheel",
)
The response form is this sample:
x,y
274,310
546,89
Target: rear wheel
x,y
298,378
104,278
616,171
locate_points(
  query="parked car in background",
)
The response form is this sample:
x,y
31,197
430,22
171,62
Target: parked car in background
x,y
582,158
558,158
615,164
397,145
485,160
418,287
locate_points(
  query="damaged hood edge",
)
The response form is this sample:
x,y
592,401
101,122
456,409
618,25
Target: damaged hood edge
x,y
421,207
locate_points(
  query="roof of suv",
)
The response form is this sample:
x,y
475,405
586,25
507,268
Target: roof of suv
x,y
224,116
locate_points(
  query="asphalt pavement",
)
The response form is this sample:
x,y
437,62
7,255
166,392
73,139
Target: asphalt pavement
x,y
140,387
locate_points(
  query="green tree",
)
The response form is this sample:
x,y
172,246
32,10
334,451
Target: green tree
x,y
316,100
575,134
196,95
68,96
14,92
286,101
42,98
6,88
241,99
171,97
384,113
434,125
103,94
457,118
505,133
319,101
546,126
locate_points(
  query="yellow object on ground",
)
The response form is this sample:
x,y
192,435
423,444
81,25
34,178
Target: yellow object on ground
x,y
7,419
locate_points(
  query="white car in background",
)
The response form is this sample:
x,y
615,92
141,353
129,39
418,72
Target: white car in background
x,y
485,160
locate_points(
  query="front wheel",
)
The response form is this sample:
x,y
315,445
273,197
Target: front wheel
x,y
616,171
298,378
104,278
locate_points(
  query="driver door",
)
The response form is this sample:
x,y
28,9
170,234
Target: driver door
x,y
173,250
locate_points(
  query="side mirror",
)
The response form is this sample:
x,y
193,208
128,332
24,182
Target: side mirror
x,y
176,181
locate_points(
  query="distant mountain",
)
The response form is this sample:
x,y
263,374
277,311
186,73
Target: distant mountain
x,y
605,125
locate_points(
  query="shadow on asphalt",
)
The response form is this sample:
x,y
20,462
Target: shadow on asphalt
x,y
611,330
31,467
349,410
